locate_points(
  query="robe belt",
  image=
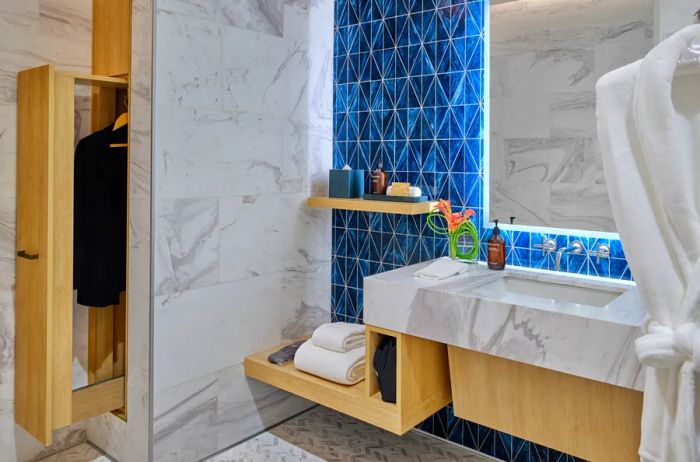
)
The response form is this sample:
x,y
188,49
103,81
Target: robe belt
x,y
665,348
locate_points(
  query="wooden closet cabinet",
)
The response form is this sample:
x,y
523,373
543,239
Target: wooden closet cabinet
x,y
44,396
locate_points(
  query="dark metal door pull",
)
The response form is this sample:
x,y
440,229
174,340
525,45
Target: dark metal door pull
x,y
28,256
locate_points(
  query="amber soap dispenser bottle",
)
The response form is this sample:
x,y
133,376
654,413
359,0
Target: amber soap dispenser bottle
x,y
496,254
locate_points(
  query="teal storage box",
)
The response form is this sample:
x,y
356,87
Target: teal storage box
x,y
346,184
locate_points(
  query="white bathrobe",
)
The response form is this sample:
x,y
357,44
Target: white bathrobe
x,y
649,129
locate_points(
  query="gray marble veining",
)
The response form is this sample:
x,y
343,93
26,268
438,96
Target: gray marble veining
x,y
243,134
591,342
546,57
188,245
214,411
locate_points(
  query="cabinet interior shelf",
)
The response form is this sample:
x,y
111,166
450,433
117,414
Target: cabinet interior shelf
x,y
401,208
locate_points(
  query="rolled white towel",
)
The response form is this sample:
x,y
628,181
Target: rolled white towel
x,y
347,368
339,336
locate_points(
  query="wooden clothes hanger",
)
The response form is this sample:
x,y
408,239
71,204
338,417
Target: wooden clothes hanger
x,y
121,121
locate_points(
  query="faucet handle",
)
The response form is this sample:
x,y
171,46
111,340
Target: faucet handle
x,y
576,248
603,251
547,246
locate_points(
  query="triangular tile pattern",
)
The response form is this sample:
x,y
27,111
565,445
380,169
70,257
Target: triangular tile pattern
x,y
409,93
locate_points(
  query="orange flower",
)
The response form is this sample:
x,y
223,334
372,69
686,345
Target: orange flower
x,y
444,206
454,219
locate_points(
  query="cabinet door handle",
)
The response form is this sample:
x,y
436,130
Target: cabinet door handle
x,y
28,256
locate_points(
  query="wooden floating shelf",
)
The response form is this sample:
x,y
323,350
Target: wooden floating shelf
x,y
423,383
401,208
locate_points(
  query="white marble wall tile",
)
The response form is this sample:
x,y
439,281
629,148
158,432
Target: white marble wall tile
x,y
28,7
202,153
305,159
8,182
573,115
581,206
215,411
140,247
187,245
267,75
523,116
555,70
610,56
599,21
189,62
530,202
275,75
269,234
141,65
309,20
60,22
140,155
184,420
7,236
264,16
211,328
511,34
8,130
7,345
673,15
319,90
246,407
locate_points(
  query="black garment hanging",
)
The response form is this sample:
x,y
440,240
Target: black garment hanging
x,y
99,241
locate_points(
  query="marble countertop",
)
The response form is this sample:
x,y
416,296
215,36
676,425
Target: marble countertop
x,y
591,342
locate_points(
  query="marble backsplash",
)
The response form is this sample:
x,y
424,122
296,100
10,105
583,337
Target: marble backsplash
x,y
546,56
242,138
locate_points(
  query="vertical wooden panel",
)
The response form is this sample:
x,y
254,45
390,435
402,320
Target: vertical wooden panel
x,y
103,107
588,419
100,344
111,37
33,323
423,378
61,206
119,341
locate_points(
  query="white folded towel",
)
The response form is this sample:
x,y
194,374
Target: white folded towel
x,y
442,269
347,368
339,336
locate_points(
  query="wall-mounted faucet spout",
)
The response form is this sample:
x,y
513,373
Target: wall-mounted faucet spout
x,y
575,248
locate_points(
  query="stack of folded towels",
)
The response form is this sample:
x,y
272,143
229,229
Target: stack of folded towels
x,y
335,352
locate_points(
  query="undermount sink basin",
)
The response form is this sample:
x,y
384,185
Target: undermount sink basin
x,y
550,291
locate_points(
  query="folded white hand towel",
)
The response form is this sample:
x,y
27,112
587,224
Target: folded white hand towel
x,y
347,368
339,336
442,269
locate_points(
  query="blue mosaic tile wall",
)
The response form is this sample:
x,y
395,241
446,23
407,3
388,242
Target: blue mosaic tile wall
x,y
409,94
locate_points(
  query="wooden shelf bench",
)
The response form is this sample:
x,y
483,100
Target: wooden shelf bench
x,y
422,376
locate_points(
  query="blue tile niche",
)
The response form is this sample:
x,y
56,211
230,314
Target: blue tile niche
x,y
409,94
